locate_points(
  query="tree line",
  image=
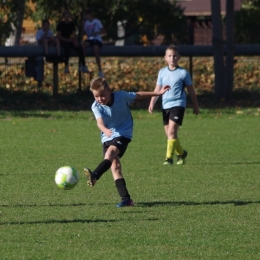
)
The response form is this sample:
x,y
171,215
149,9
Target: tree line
x,y
147,18
143,21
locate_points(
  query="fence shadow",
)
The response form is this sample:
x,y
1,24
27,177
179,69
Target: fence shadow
x,y
26,101
191,203
53,221
224,163
43,205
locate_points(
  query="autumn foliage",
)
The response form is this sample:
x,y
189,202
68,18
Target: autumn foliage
x,y
129,74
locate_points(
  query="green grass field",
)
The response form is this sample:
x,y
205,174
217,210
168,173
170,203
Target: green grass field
x,y
206,209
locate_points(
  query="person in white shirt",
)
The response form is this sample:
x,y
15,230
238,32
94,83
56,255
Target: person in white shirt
x,y
93,29
45,37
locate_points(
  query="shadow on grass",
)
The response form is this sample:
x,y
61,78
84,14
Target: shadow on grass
x,y
143,204
191,203
53,221
15,101
221,163
44,205
26,101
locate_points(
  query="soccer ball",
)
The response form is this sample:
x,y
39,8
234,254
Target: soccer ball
x,y
66,177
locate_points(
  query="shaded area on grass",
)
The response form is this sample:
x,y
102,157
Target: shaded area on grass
x,y
45,205
53,221
221,163
24,101
147,204
192,203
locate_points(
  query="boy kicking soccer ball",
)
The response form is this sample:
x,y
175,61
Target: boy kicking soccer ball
x,y
114,120
174,102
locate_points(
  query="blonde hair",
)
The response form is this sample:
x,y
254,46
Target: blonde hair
x,y
98,84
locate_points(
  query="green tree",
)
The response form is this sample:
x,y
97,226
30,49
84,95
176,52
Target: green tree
x,y
146,17
12,13
247,23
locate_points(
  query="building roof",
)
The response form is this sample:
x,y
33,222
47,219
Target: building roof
x,y
203,7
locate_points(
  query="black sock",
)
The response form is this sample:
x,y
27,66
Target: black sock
x,y
122,190
102,168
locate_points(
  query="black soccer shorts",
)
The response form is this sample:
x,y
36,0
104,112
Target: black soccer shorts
x,y
120,142
175,114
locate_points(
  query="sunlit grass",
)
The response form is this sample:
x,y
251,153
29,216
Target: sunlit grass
x,y
206,209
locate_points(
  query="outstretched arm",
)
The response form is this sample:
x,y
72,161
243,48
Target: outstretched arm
x,y
153,99
194,100
140,95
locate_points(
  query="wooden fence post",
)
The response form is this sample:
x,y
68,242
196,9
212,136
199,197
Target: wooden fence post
x,y
55,79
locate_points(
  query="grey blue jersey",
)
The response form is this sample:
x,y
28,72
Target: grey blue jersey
x,y
116,117
177,79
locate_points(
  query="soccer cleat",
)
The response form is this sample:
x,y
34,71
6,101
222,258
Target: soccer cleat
x,y
168,161
181,158
91,180
125,203
84,69
100,74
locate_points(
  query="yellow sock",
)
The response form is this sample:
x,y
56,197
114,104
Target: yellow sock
x,y
179,149
171,146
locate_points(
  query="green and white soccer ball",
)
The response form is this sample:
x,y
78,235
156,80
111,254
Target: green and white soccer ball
x,y
66,177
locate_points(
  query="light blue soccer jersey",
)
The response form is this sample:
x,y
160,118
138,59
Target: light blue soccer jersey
x,y
177,79
116,117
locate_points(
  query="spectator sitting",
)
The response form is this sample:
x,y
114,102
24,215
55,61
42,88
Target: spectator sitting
x,y
93,28
45,37
68,39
